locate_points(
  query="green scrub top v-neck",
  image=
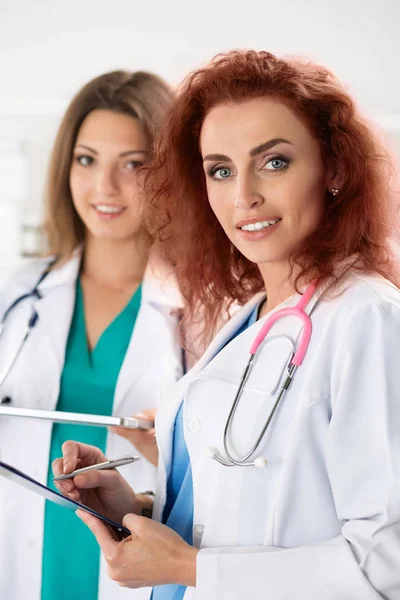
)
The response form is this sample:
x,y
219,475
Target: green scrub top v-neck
x,y
71,555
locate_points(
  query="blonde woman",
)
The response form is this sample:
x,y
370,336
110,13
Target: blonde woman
x,y
104,338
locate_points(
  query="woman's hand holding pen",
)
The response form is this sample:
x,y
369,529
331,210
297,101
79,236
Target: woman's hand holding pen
x,y
106,491
153,555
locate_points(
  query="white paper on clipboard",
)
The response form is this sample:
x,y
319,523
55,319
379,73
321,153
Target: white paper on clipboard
x,y
16,476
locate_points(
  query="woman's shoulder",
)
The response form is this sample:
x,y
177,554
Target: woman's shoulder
x,y
360,290
28,270
21,280
362,305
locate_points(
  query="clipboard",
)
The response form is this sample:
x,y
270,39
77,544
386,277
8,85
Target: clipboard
x,y
76,418
16,476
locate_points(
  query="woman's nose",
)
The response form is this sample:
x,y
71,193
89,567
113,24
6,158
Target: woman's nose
x,y
248,194
107,181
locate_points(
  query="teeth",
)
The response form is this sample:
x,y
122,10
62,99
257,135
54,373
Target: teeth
x,y
103,208
259,225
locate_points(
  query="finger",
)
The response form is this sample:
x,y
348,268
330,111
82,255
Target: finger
x,y
70,452
64,484
64,487
107,479
149,415
131,522
122,431
74,453
57,466
100,531
136,436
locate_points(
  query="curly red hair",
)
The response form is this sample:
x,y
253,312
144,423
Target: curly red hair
x,y
210,270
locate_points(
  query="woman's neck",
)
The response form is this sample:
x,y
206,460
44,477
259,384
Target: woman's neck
x,y
115,264
277,284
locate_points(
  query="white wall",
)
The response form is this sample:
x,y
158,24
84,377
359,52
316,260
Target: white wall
x,y
48,49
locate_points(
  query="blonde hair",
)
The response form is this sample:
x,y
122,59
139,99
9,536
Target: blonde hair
x,y
142,96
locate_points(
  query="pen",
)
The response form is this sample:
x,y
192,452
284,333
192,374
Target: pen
x,y
109,464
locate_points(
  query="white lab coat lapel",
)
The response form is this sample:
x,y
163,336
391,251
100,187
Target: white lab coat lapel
x,y
167,413
45,346
156,319
55,310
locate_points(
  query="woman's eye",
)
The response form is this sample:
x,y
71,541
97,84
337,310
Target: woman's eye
x,y
84,161
276,164
220,173
133,164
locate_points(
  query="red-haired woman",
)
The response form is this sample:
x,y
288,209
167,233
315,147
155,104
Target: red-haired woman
x,y
274,193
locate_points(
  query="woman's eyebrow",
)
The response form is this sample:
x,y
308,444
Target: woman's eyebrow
x,y
128,152
267,146
253,152
86,148
216,157
122,154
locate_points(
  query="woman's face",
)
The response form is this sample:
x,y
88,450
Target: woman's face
x,y
265,177
109,148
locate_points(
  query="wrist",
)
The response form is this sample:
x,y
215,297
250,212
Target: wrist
x,y
187,567
144,504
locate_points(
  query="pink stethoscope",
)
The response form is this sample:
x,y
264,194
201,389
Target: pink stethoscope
x,y
295,361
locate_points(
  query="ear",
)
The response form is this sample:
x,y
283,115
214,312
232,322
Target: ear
x,y
335,176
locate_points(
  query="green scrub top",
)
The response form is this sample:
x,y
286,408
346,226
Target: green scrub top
x,y
71,554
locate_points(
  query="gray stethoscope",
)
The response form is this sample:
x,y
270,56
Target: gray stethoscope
x,y
295,361
33,319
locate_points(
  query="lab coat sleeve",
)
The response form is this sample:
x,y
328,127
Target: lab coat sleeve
x,y
6,287
362,456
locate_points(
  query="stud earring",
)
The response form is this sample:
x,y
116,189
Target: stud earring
x,y
334,191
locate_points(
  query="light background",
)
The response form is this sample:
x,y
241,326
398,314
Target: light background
x,y
48,49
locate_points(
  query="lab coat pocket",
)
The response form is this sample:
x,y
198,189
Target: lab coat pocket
x,y
238,493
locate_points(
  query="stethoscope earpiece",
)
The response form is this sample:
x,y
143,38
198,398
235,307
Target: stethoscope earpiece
x,y
260,462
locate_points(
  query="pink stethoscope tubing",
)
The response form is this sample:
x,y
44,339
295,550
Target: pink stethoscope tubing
x,y
295,311
296,360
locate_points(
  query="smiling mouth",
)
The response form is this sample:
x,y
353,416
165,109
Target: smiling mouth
x,y
106,209
259,225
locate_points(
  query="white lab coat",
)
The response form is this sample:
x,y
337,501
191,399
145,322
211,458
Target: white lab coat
x,y
322,520
152,365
